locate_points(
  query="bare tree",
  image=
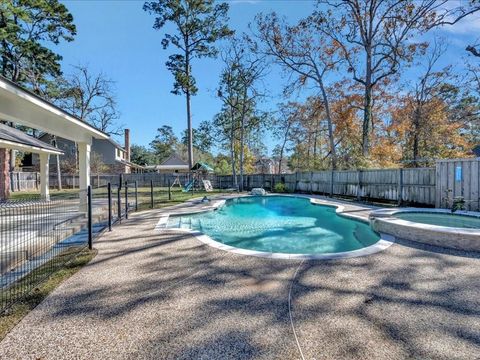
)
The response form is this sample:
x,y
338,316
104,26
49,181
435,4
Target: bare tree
x,y
430,84
303,54
239,91
377,37
283,128
91,97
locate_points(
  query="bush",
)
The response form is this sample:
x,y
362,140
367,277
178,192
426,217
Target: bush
x,y
458,204
280,188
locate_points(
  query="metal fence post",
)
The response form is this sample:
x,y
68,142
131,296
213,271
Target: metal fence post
x,y
126,200
169,190
89,216
109,188
136,195
119,203
151,194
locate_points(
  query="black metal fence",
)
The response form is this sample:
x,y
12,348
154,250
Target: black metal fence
x,y
39,235
36,236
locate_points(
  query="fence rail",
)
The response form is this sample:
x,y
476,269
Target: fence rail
x,y
412,185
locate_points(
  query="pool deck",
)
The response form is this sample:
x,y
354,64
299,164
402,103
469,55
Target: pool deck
x,y
152,294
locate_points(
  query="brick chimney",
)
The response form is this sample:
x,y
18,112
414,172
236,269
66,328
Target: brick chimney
x,y
127,144
4,174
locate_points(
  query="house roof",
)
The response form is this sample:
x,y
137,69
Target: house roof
x,y
114,143
15,139
131,164
174,160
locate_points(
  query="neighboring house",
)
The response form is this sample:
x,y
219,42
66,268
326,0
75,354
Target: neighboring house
x,y
264,166
173,164
113,155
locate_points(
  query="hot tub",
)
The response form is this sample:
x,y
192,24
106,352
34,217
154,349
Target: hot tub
x,y
439,227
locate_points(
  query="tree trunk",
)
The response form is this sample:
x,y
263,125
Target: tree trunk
x,y
280,161
242,139
189,115
232,158
190,132
331,139
416,130
367,110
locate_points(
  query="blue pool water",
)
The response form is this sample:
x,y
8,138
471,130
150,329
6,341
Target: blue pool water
x,y
280,224
441,219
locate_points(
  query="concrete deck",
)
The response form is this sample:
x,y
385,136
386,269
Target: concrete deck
x,y
165,295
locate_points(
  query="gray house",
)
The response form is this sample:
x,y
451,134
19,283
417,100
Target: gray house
x,y
114,156
173,164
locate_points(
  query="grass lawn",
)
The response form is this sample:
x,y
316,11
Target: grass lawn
x,y
55,275
161,196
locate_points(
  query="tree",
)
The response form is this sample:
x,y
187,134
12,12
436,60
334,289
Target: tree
x,y
199,24
26,27
165,143
303,54
282,130
431,85
240,95
202,137
97,165
378,36
91,97
226,128
473,49
142,156
222,166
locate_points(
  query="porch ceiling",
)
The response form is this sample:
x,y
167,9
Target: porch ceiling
x,y
23,107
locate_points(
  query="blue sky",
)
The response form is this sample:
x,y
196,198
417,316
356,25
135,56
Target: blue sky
x,y
117,38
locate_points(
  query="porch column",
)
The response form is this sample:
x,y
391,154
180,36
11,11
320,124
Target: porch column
x,y
84,172
44,175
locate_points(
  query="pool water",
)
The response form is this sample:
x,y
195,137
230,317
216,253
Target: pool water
x,y
280,224
441,219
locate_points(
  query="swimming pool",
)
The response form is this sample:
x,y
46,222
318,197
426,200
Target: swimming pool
x,y
281,225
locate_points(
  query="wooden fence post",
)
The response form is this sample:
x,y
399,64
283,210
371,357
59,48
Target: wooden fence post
x,y
359,185
331,182
400,187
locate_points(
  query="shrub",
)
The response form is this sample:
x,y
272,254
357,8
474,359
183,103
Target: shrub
x,y
458,204
280,188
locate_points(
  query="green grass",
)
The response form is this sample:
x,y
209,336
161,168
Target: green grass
x,y
161,198
160,195
54,272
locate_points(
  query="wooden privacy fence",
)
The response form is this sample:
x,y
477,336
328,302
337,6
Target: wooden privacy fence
x,y
458,178
404,186
24,181
414,186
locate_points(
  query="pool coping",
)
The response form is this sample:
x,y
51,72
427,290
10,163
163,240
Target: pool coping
x,y
383,243
389,215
